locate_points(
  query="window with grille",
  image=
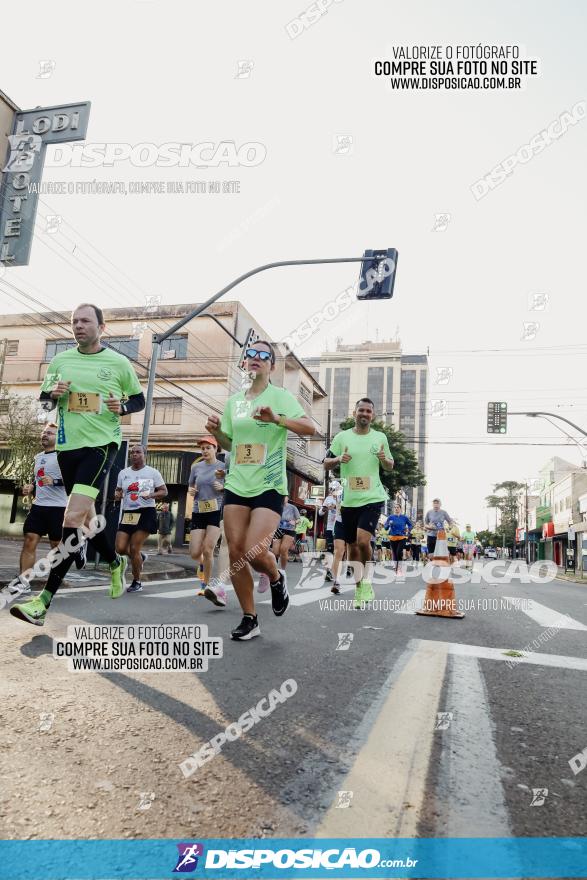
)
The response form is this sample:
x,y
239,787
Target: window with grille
x,y
4,405
125,345
12,347
166,411
175,347
56,346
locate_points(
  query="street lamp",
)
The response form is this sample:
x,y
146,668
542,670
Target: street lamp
x,y
377,278
548,418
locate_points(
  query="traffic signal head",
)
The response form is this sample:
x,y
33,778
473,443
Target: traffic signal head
x,y
377,274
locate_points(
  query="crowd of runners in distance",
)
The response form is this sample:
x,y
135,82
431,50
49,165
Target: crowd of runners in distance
x,y
241,500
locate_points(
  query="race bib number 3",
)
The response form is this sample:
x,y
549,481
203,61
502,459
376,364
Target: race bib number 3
x,y
130,519
251,453
360,484
209,506
82,402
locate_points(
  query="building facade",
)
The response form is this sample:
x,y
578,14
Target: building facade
x,y
397,383
199,368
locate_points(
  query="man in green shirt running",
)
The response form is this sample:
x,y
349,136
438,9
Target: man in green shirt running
x,y
92,387
361,452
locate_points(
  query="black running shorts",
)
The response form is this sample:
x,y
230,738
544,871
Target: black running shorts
x,y
147,522
365,517
44,521
270,500
203,520
85,470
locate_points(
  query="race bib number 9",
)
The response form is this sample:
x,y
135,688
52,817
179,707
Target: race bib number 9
x,y
82,402
130,519
209,506
251,453
360,484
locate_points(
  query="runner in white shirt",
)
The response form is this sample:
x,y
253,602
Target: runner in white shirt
x,y
139,487
46,514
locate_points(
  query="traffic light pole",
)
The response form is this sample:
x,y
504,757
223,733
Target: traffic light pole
x,y
548,416
158,338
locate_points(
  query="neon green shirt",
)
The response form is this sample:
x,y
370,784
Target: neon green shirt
x,y
468,537
100,373
363,468
264,443
302,525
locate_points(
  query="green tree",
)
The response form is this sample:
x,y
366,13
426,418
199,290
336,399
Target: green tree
x,y
488,538
406,472
507,504
20,430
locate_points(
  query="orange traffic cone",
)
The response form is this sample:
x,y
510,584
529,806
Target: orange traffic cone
x,y
440,599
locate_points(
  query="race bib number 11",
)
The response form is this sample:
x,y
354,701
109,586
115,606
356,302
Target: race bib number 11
x,y
82,402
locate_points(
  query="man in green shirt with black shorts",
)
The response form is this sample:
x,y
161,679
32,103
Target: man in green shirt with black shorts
x,y
87,385
361,452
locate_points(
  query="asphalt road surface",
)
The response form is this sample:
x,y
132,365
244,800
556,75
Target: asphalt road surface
x,y
400,726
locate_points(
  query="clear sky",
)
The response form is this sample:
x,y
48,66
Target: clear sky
x,y
159,72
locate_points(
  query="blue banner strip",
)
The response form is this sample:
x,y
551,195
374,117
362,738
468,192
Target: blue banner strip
x,y
253,859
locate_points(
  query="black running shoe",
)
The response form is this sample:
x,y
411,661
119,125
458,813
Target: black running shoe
x,y
335,588
279,595
135,587
329,575
248,628
80,556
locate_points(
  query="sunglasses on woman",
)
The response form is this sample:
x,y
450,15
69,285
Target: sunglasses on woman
x,y
262,355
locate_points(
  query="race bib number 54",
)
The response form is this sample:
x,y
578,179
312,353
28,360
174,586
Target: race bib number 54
x,y
360,484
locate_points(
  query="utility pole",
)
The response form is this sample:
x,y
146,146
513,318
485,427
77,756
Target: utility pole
x,y
328,438
3,350
526,541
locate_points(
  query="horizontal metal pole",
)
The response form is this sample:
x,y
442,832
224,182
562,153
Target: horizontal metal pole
x,y
159,337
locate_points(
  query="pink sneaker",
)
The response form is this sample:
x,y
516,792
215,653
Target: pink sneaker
x,y
263,584
217,595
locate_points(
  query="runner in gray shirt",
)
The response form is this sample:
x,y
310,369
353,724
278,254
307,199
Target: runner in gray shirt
x,y
206,485
433,521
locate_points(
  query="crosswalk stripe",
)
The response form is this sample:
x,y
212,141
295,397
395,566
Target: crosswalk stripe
x,y
388,777
547,617
559,661
470,794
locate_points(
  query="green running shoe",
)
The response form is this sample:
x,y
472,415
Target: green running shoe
x,y
33,612
117,581
368,591
359,596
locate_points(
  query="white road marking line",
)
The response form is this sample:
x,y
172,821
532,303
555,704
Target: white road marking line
x,y
557,660
547,616
470,794
414,604
67,591
388,777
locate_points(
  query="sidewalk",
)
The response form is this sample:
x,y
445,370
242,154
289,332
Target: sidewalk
x,y
175,565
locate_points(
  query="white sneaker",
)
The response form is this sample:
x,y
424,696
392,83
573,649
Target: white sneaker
x,y
263,584
216,594
19,587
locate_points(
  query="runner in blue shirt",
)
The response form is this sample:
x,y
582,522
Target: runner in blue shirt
x,y
398,525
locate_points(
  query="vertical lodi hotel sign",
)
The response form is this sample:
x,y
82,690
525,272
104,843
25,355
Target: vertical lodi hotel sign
x,y
22,170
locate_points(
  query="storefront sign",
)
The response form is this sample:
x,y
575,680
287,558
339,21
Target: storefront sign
x,y
32,131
